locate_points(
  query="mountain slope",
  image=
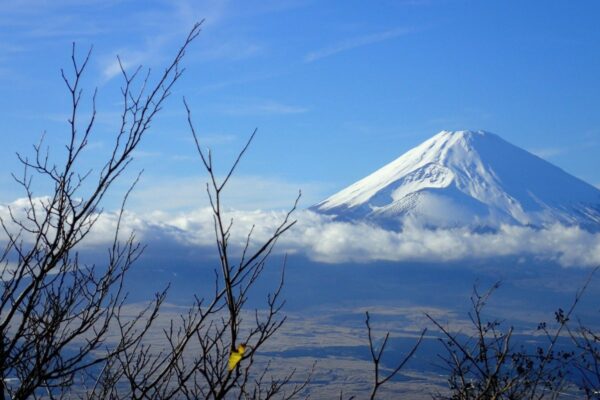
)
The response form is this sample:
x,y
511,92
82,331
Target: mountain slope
x,y
467,178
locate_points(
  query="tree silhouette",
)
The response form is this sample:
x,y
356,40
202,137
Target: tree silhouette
x,y
55,311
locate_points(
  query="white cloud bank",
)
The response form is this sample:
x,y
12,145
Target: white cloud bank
x,y
321,239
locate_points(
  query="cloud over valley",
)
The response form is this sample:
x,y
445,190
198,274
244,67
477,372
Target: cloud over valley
x,y
324,240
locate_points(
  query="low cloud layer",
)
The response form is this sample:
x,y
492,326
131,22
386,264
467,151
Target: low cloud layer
x,y
321,239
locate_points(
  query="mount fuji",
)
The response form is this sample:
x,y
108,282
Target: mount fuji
x,y
467,178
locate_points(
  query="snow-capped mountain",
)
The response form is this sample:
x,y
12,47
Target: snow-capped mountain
x,y
468,178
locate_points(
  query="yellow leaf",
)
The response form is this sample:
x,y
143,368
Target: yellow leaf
x,y
235,357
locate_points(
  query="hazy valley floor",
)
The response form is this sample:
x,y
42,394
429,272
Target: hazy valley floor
x,y
326,307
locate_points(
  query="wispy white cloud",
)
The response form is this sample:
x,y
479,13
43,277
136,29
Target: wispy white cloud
x,y
210,139
7,52
548,152
10,48
242,193
261,107
147,154
5,72
188,12
231,50
359,41
152,31
31,6
51,19
112,68
163,28
152,52
252,78
415,2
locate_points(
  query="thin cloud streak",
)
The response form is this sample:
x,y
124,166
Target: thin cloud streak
x,y
262,107
153,52
356,42
243,193
548,152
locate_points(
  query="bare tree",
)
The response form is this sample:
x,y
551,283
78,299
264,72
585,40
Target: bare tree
x,y
56,311
377,355
587,359
488,365
212,351
219,323
481,366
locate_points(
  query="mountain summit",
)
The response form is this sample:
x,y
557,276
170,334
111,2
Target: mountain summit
x,y
468,178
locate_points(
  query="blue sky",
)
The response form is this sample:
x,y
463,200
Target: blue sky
x,y
335,88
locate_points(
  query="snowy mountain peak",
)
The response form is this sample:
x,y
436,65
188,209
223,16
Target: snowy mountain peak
x,y
467,178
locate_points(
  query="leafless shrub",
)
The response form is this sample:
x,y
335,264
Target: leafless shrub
x,y
211,352
586,358
488,365
377,354
55,311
